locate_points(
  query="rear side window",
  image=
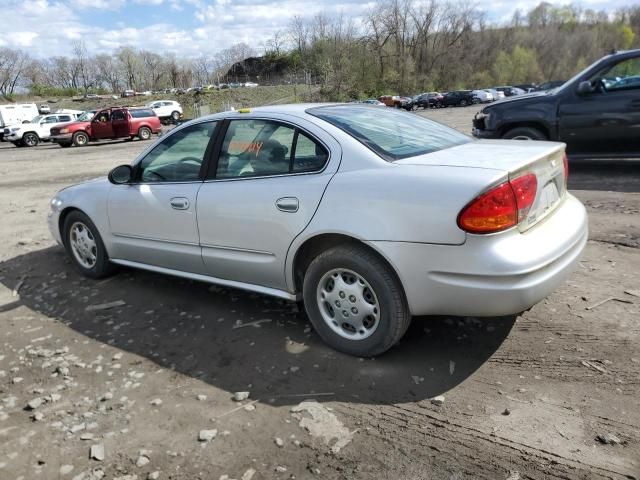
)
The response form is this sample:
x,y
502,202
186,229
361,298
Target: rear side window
x,y
142,113
390,133
256,148
118,115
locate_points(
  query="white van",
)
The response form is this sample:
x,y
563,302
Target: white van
x,y
15,114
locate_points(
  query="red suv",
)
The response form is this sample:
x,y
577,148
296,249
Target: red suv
x,y
109,123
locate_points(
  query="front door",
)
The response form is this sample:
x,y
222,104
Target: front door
x,y
607,120
101,125
269,180
153,219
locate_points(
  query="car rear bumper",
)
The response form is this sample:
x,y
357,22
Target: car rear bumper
x,y
491,275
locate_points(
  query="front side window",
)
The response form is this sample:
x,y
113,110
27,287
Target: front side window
x,y
390,133
178,157
257,148
64,118
624,75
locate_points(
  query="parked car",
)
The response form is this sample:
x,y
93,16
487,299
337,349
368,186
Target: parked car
x,y
594,118
15,114
92,96
429,100
250,84
482,96
459,98
397,101
109,123
527,87
166,109
30,134
128,93
549,85
497,94
44,108
490,223
510,91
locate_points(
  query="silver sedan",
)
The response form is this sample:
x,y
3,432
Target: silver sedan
x,y
370,216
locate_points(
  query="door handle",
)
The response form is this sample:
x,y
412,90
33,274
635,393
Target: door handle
x,y
287,204
179,203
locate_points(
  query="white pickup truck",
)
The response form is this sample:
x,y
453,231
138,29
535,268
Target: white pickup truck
x,y
38,129
16,113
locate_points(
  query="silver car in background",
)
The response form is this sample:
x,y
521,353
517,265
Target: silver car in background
x,y
368,215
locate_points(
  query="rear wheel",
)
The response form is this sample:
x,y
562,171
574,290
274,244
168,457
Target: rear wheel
x,y
463,103
144,133
85,247
80,139
30,139
524,133
354,301
175,116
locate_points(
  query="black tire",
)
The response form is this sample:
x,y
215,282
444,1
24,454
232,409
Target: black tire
x,y
175,116
144,133
102,267
394,317
80,139
30,139
463,103
525,133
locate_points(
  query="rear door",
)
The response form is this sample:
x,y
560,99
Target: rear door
x,y
268,182
120,123
606,120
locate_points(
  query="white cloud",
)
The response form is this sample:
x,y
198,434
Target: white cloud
x,y
24,39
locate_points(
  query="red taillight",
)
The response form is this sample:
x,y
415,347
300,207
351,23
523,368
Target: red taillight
x,y
501,207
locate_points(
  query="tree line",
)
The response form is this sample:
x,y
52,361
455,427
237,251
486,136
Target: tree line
x,y
400,46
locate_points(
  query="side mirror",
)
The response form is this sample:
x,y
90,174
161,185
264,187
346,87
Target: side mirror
x,y
121,174
584,88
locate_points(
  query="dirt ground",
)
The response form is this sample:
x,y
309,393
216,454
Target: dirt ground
x,y
142,386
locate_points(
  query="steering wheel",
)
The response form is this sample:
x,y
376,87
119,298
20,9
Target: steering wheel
x,y
160,176
190,159
602,86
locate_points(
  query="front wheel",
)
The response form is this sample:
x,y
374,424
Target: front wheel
x,y
175,116
80,139
463,103
144,133
354,301
85,247
30,140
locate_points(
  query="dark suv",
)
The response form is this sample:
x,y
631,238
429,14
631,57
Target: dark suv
x,y
596,113
459,98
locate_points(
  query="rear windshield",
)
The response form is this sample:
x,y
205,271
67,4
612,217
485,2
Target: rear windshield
x,y
141,113
390,133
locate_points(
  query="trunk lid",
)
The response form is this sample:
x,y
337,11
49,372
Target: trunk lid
x,y
514,158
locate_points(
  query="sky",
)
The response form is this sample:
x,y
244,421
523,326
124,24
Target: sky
x,y
188,28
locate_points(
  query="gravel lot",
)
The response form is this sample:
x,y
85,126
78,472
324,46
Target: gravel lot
x,y
146,386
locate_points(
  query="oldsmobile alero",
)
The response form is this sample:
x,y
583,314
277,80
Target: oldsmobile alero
x,y
369,216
